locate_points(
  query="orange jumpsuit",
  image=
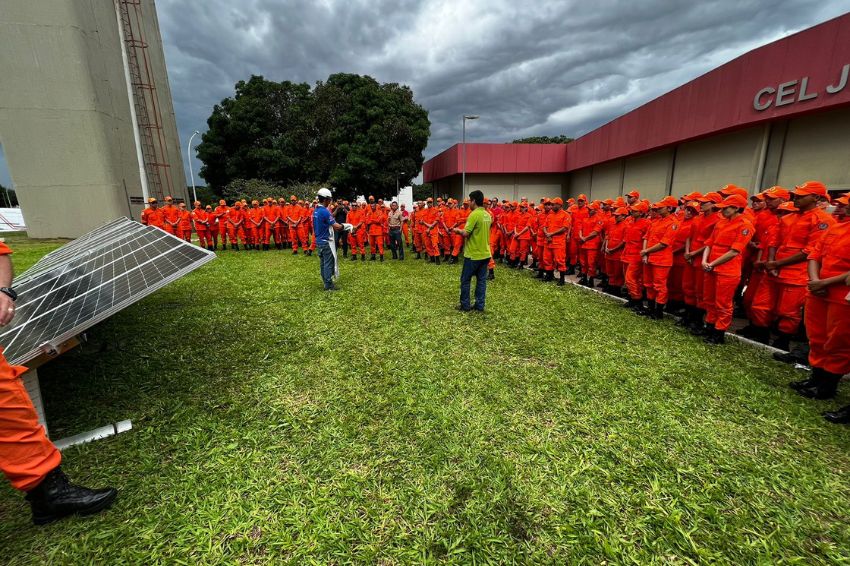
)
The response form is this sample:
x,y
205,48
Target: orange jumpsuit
x,y
460,221
26,455
828,317
256,219
184,225
578,215
782,297
291,217
375,220
448,220
521,243
432,235
676,284
405,226
235,221
658,265
171,217
220,214
496,230
589,250
418,230
720,284
555,252
766,231
153,217
694,277
615,235
202,227
634,234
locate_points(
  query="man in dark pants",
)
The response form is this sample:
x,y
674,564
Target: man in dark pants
x,y
476,253
394,220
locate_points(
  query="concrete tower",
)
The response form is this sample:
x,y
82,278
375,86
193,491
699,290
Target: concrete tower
x,y
86,118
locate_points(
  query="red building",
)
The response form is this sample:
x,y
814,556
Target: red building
x,y
779,114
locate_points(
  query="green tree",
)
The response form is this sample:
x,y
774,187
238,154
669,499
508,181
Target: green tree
x,y
544,139
423,191
260,133
351,131
366,135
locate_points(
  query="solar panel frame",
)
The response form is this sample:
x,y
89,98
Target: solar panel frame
x,y
131,260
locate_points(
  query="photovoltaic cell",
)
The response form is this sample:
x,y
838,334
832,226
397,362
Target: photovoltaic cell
x,y
90,279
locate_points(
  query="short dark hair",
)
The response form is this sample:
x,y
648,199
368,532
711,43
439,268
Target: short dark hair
x,y
478,197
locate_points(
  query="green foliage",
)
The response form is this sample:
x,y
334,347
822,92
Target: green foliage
x,y
545,139
256,189
275,423
205,194
423,191
350,130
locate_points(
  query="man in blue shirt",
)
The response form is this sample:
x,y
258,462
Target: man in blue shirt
x,y
324,226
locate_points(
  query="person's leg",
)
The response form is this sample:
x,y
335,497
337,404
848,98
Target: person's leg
x,y
400,243
465,278
326,259
393,250
480,283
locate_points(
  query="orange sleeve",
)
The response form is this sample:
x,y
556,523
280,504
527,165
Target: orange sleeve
x,y
4,249
743,235
670,234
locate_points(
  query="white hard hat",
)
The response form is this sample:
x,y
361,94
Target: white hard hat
x,y
325,193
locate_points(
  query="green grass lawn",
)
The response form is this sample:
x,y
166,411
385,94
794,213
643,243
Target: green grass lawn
x,y
274,423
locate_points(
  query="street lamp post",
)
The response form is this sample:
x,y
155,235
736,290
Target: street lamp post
x,y
192,173
397,185
463,168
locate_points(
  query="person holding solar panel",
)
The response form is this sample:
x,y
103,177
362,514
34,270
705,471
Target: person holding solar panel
x,y
27,457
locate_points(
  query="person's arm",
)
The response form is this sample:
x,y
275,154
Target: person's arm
x,y
7,305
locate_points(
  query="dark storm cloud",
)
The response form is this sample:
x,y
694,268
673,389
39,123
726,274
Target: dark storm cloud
x,y
546,67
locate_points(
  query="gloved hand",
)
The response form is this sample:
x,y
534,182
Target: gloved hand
x,y
348,227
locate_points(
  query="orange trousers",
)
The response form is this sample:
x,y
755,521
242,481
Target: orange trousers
x,y
574,245
588,259
204,237
293,237
719,293
303,236
376,244
495,241
234,232
26,455
405,229
615,271
676,283
634,278
555,256
251,233
519,249
432,243
689,285
756,278
778,301
418,242
357,242
185,234
828,328
457,244
222,232
655,278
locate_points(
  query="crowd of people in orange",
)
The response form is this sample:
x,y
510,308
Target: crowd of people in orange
x,y
777,258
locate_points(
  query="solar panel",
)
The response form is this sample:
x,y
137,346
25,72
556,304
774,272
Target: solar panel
x,y
90,279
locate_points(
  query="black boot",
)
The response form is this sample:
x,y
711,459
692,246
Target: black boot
x,y
697,326
437,260
236,247
490,275
382,257
648,310
714,336
583,280
562,279
760,334
782,342
294,252
362,257
418,255
540,274
353,257
826,388
55,497
685,319
814,379
372,258
630,303
571,270
658,313
841,416
549,276
590,284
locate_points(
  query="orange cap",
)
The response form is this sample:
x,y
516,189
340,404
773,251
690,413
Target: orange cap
x,y
843,199
732,189
733,200
811,188
621,211
557,200
757,196
608,201
666,202
620,202
711,197
293,197
594,206
788,206
693,204
582,197
693,196
777,192
641,206
633,193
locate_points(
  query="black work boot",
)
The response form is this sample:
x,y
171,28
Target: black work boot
x,y
760,334
55,497
590,284
490,275
826,388
362,257
571,270
841,416
583,280
685,319
815,378
418,255
561,279
647,310
549,276
540,274
437,260
372,258
714,336
782,342
353,257
658,313
382,258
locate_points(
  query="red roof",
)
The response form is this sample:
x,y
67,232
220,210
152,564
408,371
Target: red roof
x,y
719,101
497,158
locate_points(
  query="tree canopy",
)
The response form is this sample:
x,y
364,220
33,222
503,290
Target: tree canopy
x,y
349,131
544,139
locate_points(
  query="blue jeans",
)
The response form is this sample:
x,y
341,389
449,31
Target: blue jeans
x,y
473,268
326,261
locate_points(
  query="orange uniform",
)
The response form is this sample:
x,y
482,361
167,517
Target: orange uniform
x,y
357,238
184,225
658,264
722,281
171,218
633,235
523,238
577,215
235,222
766,231
589,249
496,236
555,252
676,283
375,226
220,216
828,316
256,219
701,231
153,217
201,220
615,234
781,297
26,455
461,214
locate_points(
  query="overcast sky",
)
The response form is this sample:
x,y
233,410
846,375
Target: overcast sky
x,y
545,67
